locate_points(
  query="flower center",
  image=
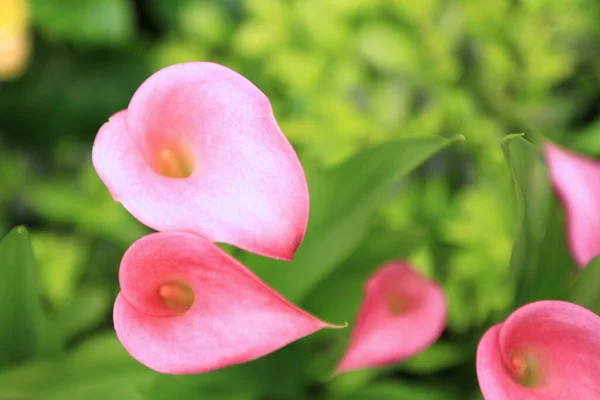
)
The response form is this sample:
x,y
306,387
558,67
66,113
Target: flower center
x,y
522,369
177,296
173,163
396,304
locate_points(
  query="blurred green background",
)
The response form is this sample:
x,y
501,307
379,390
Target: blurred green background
x,y
344,77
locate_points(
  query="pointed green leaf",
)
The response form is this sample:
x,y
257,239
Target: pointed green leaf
x,y
21,315
343,201
540,261
586,292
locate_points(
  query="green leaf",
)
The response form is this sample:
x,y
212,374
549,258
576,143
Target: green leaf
x,y
343,201
441,356
586,291
86,311
540,260
279,375
21,315
99,369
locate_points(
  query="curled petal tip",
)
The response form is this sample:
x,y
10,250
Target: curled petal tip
x,y
337,326
187,307
198,150
402,314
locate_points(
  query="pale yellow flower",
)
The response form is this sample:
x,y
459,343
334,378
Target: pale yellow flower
x,y
15,40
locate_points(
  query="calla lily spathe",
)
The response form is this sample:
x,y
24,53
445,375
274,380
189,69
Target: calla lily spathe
x,y
403,313
188,307
576,179
198,150
547,350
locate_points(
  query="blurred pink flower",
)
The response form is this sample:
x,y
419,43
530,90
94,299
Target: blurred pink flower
x,y
187,307
548,350
576,179
402,314
198,150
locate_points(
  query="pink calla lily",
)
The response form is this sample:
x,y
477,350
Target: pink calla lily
x,y
198,150
188,307
402,314
576,179
547,350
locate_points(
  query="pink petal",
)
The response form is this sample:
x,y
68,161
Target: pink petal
x,y
547,350
576,179
403,314
233,317
245,187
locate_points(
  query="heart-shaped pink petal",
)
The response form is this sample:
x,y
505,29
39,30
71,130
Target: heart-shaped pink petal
x,y
402,314
187,307
198,150
576,179
547,350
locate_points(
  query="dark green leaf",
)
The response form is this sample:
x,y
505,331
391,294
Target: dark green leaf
x,y
86,311
99,369
21,315
586,292
540,261
278,375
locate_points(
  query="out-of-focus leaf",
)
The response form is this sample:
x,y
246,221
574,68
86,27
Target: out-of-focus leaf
x,y
81,203
99,369
279,375
540,261
403,391
61,261
586,292
343,201
21,318
217,385
86,310
439,357
205,22
85,21
388,48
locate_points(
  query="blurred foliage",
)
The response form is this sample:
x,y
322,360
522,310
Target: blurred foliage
x,y
366,90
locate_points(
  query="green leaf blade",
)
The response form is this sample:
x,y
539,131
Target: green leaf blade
x,y
21,315
586,291
343,201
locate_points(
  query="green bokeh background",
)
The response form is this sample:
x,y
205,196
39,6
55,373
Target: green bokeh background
x,y
343,76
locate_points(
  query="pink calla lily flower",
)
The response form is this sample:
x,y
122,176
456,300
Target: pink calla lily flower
x,y
188,307
198,150
576,179
402,314
547,350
